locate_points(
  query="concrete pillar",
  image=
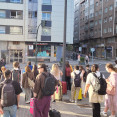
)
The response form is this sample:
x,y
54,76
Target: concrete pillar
x,y
52,53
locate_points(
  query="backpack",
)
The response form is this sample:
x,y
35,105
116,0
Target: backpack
x,y
49,85
8,97
85,75
77,80
16,76
100,85
68,71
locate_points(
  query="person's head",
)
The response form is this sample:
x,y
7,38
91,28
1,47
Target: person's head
x,y
110,68
115,61
87,66
67,65
55,69
7,74
15,64
76,67
81,67
29,63
27,69
42,67
34,68
94,68
3,69
67,62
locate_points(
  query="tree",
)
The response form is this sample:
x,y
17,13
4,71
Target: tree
x,y
70,47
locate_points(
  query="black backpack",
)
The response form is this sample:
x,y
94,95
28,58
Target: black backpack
x,y
16,76
49,85
100,85
85,75
77,80
8,96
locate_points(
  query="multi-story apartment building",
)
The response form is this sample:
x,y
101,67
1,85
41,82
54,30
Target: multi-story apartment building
x,y
98,27
19,20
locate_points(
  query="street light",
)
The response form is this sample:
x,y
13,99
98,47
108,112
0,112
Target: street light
x,y
43,24
64,39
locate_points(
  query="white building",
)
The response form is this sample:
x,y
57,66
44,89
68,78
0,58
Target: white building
x,y
19,20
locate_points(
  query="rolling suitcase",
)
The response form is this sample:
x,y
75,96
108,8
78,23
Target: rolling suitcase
x,y
64,87
31,105
58,93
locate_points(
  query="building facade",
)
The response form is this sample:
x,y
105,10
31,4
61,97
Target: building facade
x,y
19,20
98,27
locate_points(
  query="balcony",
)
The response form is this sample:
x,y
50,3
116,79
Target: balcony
x,y
86,21
86,28
91,27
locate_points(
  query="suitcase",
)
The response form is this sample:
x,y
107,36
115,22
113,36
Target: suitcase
x,y
31,106
54,113
58,93
64,87
80,94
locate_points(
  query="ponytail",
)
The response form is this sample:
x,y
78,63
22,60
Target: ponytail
x,y
109,65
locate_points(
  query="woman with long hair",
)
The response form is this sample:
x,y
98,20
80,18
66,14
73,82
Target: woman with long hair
x,y
2,75
35,71
94,97
111,100
25,85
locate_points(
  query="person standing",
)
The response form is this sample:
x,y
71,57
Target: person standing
x,y
75,89
111,100
78,59
35,71
42,102
29,64
25,84
2,75
94,97
86,59
68,76
9,96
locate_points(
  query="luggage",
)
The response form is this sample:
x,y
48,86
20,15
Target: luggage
x,y
58,93
80,94
64,87
31,105
54,113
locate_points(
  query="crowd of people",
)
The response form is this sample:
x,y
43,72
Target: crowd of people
x,y
32,80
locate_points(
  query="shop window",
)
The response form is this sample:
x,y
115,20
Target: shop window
x,y
46,16
16,14
2,0
46,31
2,14
2,29
16,30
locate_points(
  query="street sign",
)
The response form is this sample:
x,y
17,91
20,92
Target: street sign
x,y
92,49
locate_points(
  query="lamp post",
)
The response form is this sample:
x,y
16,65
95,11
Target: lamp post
x,y
64,39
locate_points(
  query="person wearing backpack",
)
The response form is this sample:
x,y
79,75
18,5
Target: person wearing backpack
x,y
9,96
76,83
16,75
91,85
44,87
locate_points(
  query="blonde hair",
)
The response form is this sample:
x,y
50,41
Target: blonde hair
x,y
3,68
55,70
109,65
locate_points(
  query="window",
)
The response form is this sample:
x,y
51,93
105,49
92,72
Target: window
x,y
16,43
110,18
111,8
91,15
106,10
46,31
32,14
46,1
2,0
95,23
16,30
100,11
46,16
2,14
105,20
16,1
16,14
100,21
110,29
2,29
105,30
96,13
96,3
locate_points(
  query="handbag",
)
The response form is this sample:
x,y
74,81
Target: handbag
x,y
110,89
30,82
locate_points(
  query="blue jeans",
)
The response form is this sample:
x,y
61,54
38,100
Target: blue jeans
x,y
10,111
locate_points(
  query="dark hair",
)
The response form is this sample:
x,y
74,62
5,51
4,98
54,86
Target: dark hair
x,y
76,67
27,69
29,63
67,65
34,70
109,65
42,65
116,61
94,67
81,67
7,74
16,64
87,65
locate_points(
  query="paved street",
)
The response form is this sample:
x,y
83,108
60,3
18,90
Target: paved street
x,y
67,109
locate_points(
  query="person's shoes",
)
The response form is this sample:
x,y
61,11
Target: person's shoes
x,y
54,101
27,102
71,100
104,114
112,116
